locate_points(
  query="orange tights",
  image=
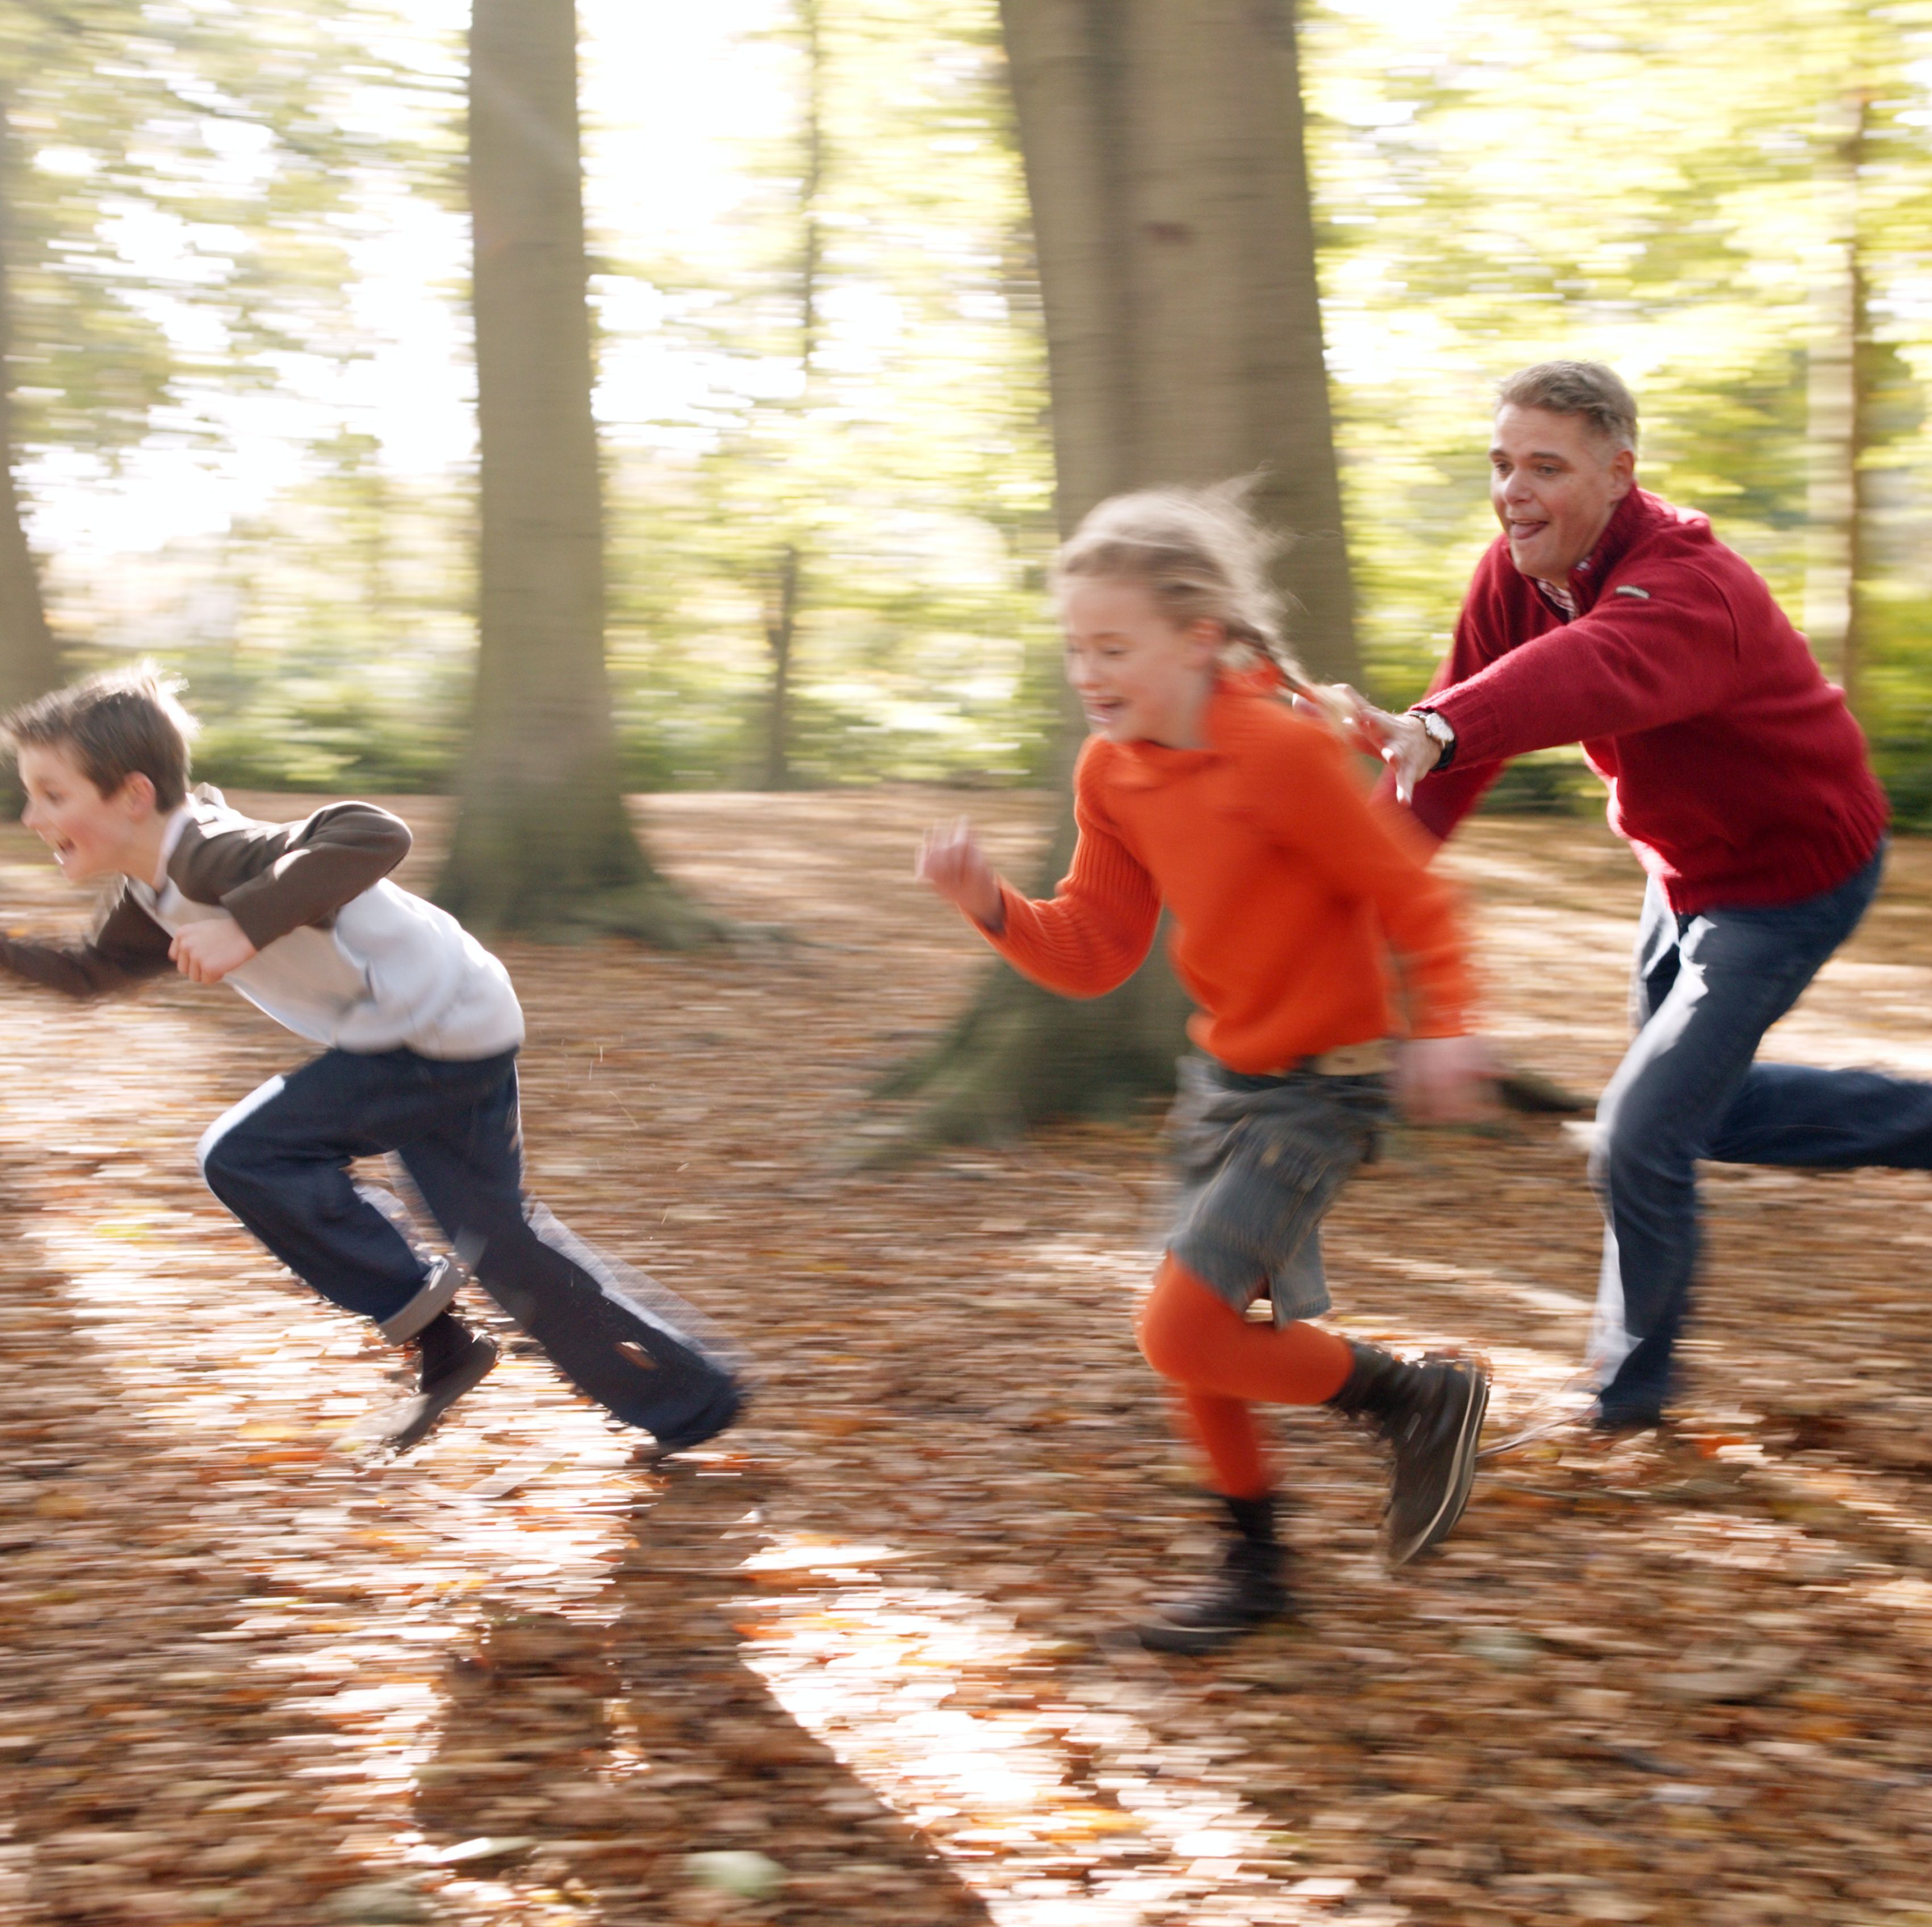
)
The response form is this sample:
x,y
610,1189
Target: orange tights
x,y
1219,1364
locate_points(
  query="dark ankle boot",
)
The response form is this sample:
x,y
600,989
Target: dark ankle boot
x,y
450,1358
1248,1590
1429,1416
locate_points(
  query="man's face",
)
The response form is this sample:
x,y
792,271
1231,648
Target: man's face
x,y
1554,481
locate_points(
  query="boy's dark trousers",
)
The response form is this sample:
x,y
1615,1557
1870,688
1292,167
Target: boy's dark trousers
x,y
279,1161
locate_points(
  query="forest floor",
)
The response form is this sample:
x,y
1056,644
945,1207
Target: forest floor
x,y
245,1677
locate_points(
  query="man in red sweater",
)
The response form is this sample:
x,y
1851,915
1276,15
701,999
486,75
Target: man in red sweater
x,y
1602,615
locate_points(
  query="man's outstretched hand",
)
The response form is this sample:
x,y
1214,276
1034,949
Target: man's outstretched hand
x,y
1445,1080
204,952
1410,751
951,862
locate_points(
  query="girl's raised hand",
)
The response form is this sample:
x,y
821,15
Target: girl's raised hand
x,y
952,863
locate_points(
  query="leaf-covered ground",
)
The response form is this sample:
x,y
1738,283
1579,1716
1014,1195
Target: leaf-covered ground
x,y
245,1677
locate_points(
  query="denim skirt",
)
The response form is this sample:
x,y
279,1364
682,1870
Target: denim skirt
x,y
1259,1160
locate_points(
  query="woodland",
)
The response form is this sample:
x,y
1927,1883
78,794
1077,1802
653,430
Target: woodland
x,y
629,442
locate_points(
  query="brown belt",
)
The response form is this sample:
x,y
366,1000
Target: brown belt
x,y
1352,1060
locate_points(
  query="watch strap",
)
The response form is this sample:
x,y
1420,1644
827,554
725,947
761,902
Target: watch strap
x,y
1443,736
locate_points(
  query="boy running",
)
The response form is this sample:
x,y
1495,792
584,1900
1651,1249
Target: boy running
x,y
419,1028
1200,790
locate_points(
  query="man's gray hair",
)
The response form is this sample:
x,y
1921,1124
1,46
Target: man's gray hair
x,y
1587,388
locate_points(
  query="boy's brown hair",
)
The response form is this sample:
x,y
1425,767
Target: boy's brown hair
x,y
122,722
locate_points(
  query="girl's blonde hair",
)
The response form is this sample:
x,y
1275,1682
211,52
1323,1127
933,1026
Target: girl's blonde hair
x,y
1202,555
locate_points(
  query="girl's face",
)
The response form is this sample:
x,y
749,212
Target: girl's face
x,y
1140,677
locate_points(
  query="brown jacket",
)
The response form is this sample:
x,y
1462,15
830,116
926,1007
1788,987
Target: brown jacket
x,y
271,878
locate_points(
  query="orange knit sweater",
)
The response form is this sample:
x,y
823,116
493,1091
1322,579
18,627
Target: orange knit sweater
x,y
1288,888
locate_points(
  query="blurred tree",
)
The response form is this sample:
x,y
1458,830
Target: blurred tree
x,y
1164,161
1163,141
1871,180
1708,196
543,843
782,601
29,662
119,114
1835,422
907,470
187,207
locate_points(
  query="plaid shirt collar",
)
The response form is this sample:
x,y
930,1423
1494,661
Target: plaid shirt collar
x,y
1559,596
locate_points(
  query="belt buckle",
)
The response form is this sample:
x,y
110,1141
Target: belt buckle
x,y
1355,1060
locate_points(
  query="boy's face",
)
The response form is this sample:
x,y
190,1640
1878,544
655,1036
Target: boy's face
x,y
92,836
1140,678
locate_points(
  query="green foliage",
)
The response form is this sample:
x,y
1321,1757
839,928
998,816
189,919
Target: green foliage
x,y
311,733
170,177
1552,782
879,408
328,638
1898,705
1511,184
1496,184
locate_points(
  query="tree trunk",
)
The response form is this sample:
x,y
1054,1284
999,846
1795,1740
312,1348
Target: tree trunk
x,y
1163,145
1855,648
1162,142
1021,1055
29,662
782,609
543,845
1837,408
780,625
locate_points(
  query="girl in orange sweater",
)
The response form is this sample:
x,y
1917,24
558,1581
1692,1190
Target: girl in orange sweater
x,y
1200,788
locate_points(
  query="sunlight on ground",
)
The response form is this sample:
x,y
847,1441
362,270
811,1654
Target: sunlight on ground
x,y
243,1361
1062,1791
419,1596
1058,1813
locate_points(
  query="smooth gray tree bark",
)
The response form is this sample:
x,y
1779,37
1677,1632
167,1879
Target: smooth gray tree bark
x,y
1162,142
1162,145
543,844
30,663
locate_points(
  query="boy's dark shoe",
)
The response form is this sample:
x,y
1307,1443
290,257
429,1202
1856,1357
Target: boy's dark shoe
x,y
724,1411
1622,1420
457,1362
1247,1592
1429,1415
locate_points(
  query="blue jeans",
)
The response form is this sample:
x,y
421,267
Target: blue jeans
x,y
1705,990
279,1161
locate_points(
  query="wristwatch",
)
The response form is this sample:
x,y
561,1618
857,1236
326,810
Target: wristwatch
x,y
1440,734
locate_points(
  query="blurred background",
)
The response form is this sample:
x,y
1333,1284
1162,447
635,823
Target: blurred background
x,y
505,407
242,418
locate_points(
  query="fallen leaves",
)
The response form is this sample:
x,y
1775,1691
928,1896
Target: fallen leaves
x,y
248,1677
1740,1673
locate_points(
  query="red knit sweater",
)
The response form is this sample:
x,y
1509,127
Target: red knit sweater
x,y
1735,769
1288,886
